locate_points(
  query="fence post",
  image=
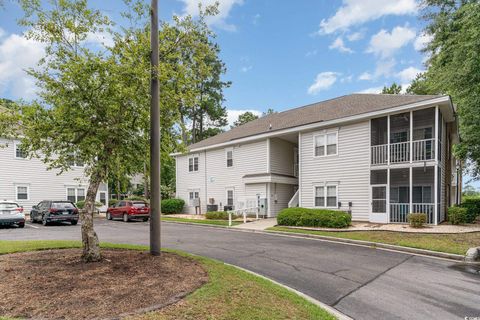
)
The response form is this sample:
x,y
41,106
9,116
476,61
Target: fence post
x,y
229,218
257,211
244,216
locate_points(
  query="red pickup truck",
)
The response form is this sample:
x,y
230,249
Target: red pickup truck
x,y
129,210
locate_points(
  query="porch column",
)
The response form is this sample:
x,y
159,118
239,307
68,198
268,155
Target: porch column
x,y
388,139
411,137
388,195
410,190
435,178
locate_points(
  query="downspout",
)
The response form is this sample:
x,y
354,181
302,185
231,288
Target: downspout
x,y
206,183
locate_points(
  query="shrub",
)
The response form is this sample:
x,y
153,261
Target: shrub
x,y
170,206
217,215
112,202
81,204
417,220
472,204
303,217
457,215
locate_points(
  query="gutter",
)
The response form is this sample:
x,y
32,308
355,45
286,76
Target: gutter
x,y
321,124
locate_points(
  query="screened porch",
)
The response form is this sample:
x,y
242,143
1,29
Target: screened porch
x,y
404,137
398,192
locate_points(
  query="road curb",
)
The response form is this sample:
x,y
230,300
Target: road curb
x,y
375,245
339,315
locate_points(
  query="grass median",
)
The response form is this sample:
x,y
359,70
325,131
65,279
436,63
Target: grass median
x,y
230,293
457,243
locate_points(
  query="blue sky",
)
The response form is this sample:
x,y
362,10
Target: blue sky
x,y
279,54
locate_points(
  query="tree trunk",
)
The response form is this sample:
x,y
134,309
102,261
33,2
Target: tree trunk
x,y
91,246
118,189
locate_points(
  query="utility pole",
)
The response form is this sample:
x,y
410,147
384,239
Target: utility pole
x,y
155,197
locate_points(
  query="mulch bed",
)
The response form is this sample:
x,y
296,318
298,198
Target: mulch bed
x,y
55,284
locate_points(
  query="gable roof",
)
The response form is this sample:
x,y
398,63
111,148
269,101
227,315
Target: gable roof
x,y
337,108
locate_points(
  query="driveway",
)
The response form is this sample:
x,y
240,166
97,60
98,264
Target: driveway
x,y
364,283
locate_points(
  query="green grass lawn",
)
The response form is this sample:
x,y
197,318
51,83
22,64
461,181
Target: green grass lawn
x,y
449,243
201,221
230,293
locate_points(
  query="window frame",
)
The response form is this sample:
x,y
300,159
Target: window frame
x,y
75,193
22,186
325,144
15,147
233,196
229,150
74,163
192,195
325,187
193,157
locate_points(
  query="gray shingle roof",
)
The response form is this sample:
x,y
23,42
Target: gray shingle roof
x,y
344,106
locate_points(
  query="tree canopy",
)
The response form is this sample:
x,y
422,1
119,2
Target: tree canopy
x,y
244,118
393,89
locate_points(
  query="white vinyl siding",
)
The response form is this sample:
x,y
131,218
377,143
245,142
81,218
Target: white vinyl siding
x,y
349,170
281,156
42,184
214,177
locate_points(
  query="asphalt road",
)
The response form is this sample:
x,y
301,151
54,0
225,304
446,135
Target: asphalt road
x,y
364,283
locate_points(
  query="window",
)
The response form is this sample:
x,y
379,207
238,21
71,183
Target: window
x,y
75,194
399,136
22,192
326,196
326,144
103,198
193,195
19,152
422,194
74,161
193,164
230,197
229,155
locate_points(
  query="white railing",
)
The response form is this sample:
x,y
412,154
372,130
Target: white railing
x,y
242,212
423,149
427,208
294,201
379,154
399,211
399,152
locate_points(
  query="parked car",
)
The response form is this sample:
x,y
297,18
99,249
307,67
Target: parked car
x,y
129,210
11,214
54,211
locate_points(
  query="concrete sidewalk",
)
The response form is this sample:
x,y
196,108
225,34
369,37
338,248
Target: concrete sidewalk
x,y
261,224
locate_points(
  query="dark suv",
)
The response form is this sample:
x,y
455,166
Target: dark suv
x,y
54,211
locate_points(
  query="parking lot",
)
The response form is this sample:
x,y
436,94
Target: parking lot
x,y
353,279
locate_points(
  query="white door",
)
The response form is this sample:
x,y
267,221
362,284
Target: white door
x,y
378,212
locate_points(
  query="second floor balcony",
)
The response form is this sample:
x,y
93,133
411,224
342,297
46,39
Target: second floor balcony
x,y
405,137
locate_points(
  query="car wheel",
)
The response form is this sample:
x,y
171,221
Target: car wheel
x,y
44,221
21,225
109,216
125,217
74,222
32,220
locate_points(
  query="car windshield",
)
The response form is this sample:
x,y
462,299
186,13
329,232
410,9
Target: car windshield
x,y
139,204
8,206
63,205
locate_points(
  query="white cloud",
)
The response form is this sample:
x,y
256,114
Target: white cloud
x,y
2,33
385,44
18,53
356,36
311,53
384,68
421,41
219,20
408,74
232,115
340,46
371,90
100,38
246,68
323,81
365,76
356,12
